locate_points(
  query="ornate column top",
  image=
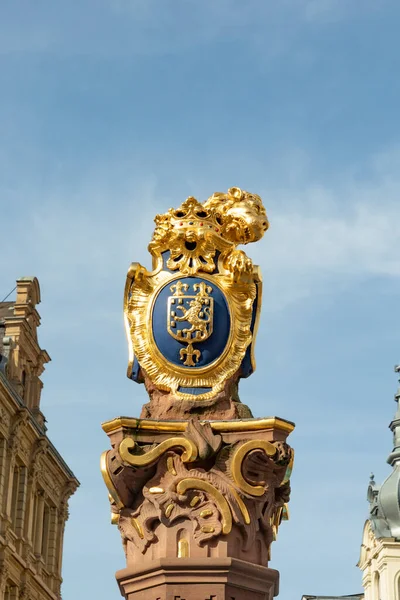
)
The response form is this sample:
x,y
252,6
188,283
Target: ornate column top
x,y
180,426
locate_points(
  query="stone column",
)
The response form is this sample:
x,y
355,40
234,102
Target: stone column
x,y
52,540
13,497
366,582
39,524
62,518
9,478
3,461
385,588
45,536
30,508
21,501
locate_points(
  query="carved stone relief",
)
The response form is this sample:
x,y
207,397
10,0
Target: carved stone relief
x,y
215,490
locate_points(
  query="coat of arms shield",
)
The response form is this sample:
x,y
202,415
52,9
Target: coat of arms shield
x,y
190,318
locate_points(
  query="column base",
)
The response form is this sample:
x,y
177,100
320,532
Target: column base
x,y
199,579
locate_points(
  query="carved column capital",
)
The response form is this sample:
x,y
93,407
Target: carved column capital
x,y
198,489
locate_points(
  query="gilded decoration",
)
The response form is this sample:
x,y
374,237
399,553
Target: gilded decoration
x,y
202,478
197,310
191,321
238,425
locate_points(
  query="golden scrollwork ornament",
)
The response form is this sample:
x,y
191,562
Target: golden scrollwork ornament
x,y
191,321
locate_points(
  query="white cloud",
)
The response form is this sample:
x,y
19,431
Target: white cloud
x,y
319,235
331,235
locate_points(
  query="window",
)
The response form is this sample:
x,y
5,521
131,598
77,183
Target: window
x,y
18,499
11,591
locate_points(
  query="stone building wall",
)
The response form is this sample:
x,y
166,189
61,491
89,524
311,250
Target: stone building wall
x,y
35,482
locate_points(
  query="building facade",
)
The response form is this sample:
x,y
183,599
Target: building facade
x,y
380,549
35,482
352,597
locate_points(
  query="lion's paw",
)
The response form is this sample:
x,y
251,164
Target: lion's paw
x,y
237,262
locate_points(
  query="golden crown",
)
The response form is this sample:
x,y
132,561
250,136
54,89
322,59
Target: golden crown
x,y
193,215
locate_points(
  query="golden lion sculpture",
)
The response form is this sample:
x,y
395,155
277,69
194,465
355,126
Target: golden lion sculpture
x,y
194,232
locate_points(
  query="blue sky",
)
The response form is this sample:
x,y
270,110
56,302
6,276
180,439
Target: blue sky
x,y
114,110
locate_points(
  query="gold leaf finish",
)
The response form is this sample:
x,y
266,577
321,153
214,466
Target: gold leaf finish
x,y
241,505
191,483
138,527
107,480
289,468
206,513
141,460
208,529
237,462
183,548
156,490
237,425
114,518
170,465
198,240
169,376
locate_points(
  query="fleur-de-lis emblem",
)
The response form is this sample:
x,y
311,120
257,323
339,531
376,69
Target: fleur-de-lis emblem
x,y
179,288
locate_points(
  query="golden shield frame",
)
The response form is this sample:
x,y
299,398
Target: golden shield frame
x,y
141,290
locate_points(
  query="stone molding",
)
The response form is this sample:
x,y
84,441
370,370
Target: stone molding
x,y
199,579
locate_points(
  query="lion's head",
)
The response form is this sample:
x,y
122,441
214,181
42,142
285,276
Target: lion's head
x,y
242,215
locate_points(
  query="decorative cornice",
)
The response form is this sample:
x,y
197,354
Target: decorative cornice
x,y
237,425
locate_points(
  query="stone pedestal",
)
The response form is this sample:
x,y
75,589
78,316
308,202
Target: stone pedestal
x,y
198,504
199,579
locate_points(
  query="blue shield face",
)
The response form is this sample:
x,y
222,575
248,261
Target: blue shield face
x,y
191,322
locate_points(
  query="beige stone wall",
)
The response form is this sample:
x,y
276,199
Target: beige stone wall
x,y
35,483
380,566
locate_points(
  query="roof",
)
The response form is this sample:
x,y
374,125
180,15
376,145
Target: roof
x,y
5,309
351,597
